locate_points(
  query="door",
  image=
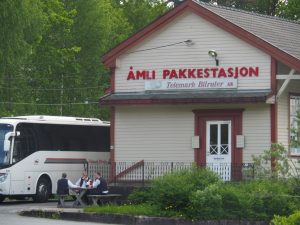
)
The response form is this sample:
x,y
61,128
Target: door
x,y
218,148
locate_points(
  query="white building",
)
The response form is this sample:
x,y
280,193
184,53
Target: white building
x,y
204,84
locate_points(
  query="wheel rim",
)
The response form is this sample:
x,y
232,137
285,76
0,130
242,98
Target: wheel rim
x,y
43,191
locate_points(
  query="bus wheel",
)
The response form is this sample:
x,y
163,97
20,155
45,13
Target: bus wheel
x,y
2,198
42,191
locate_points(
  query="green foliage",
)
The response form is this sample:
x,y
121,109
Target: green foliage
x,y
50,53
293,219
255,200
276,156
231,205
261,199
172,191
138,209
205,204
140,13
197,194
267,7
21,25
139,196
289,9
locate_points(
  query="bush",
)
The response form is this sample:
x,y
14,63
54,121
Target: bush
x,y
199,194
172,191
206,204
293,219
139,196
262,199
232,208
273,197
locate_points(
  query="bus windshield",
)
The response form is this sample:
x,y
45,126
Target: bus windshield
x,y
4,156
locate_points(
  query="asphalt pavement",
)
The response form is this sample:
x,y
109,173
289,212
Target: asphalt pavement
x,y
10,214
49,214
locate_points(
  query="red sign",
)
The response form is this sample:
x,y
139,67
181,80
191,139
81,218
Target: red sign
x,y
195,73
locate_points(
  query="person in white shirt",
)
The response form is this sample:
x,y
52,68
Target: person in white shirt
x,y
84,181
99,185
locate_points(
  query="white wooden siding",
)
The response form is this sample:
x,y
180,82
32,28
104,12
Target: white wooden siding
x,y
257,130
283,111
205,36
154,133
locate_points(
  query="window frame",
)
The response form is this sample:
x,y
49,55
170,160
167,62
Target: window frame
x,y
292,153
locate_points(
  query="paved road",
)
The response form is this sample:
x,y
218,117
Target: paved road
x,y
9,214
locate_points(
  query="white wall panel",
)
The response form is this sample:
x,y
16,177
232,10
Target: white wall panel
x,y
154,134
257,130
205,36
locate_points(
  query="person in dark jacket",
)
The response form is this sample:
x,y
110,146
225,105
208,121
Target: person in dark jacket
x,y
63,185
99,185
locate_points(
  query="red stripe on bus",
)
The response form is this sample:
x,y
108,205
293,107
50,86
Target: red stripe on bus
x,y
65,159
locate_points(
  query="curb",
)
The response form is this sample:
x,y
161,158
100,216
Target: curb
x,y
129,220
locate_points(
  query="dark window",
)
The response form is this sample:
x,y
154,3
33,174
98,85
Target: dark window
x,y
25,143
213,139
56,137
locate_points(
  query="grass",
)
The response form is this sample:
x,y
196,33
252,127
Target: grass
x,y
137,210
142,209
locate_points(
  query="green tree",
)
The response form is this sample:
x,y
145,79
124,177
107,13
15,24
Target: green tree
x,y
140,13
51,52
267,7
21,25
52,61
98,26
289,9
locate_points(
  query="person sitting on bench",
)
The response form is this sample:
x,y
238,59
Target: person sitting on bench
x,y
99,185
84,182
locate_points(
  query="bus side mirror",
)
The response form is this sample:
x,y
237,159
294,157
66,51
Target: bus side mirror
x,y
8,135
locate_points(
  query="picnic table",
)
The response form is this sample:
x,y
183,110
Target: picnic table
x,y
104,198
78,192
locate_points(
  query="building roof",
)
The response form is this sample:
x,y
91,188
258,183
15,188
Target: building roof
x,y
281,33
188,97
277,37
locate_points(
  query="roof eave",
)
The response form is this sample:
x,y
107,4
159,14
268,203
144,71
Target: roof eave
x,y
235,100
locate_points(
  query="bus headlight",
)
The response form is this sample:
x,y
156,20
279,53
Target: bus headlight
x,y
3,177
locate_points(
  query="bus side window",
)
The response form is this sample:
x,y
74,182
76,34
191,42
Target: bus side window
x,y
17,151
25,144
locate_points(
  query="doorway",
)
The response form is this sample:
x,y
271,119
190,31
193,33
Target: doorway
x,y
217,130
218,148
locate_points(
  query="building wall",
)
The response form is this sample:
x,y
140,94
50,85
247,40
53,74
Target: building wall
x,y
154,134
257,130
163,133
231,51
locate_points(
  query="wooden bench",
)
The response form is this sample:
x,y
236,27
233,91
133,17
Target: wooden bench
x,y
103,198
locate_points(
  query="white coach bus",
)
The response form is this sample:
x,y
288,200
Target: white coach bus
x,y
35,150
